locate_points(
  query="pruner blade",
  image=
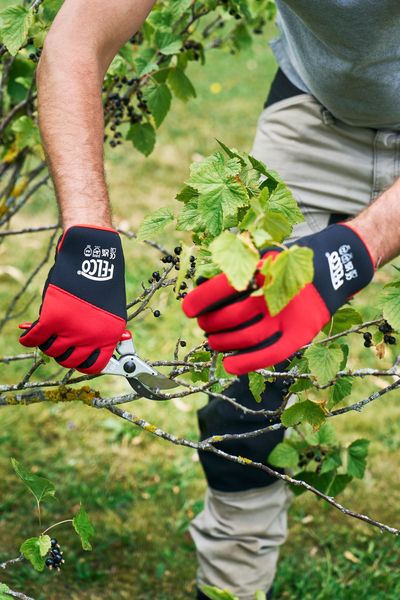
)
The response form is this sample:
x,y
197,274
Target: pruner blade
x,y
143,378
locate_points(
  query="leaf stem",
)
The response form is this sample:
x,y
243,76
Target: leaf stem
x,y
56,525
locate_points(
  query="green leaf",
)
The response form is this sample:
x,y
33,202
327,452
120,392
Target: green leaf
x,y
357,454
332,461
15,22
282,201
277,225
181,85
27,133
187,194
188,218
340,390
158,98
257,385
143,137
343,319
40,487
216,594
83,528
261,168
154,223
35,549
390,302
51,8
4,589
167,42
306,411
235,258
320,482
221,193
260,595
324,361
326,434
286,274
339,484
284,456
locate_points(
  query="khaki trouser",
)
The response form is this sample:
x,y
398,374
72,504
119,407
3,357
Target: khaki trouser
x,y
331,168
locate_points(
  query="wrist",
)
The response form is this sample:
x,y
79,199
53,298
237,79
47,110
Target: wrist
x,y
368,235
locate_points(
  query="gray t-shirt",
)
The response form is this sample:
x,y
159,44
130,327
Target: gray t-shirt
x,y
346,53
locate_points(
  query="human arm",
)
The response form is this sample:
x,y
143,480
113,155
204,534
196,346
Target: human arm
x,y
379,225
83,312
84,38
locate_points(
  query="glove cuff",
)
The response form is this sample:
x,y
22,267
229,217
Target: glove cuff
x,y
342,264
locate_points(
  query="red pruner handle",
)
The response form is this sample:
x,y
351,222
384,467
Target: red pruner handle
x,y
25,325
124,337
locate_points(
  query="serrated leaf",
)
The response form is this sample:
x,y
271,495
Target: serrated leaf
x,y
181,84
326,434
158,98
15,22
235,258
277,225
188,218
154,223
257,385
261,168
332,461
35,549
306,411
221,193
167,42
390,302
40,487
343,319
216,594
83,528
340,390
143,137
187,194
284,455
324,361
281,200
286,275
357,454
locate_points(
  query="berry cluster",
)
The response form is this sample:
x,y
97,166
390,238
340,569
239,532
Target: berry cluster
x,y
120,107
316,454
367,339
175,260
386,329
34,56
55,556
231,8
193,46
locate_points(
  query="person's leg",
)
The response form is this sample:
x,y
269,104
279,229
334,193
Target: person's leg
x,y
329,167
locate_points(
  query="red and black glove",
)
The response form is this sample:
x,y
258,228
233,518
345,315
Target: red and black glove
x,y
240,323
83,312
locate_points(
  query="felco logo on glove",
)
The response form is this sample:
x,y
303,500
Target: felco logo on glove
x,y
341,266
97,265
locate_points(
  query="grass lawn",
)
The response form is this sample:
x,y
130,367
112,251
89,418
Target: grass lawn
x,y
140,491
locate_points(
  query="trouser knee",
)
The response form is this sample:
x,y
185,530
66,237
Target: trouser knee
x,y
220,417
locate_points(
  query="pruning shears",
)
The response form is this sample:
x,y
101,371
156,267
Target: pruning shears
x,y
125,362
145,380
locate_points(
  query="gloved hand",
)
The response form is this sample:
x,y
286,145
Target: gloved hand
x,y
83,312
240,323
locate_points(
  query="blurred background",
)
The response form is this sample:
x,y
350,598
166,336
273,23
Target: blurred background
x,y
140,491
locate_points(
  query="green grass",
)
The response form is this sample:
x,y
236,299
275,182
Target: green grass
x,y
140,491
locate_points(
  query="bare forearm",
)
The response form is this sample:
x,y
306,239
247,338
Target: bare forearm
x,y
83,40
71,125
379,225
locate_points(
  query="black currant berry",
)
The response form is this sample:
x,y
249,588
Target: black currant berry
x,y
182,343
49,562
178,250
367,336
157,313
368,343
